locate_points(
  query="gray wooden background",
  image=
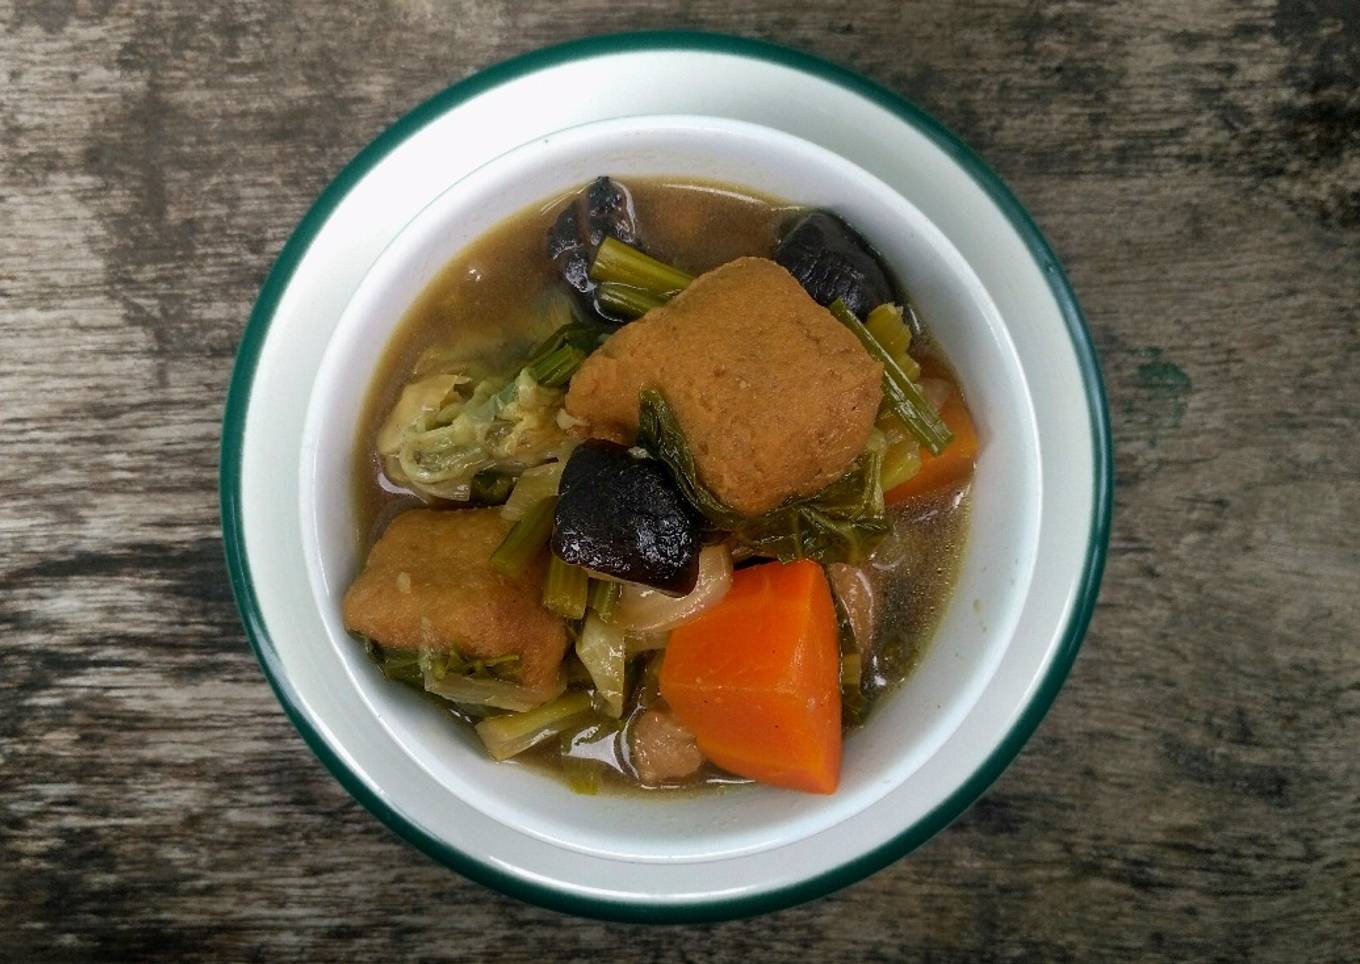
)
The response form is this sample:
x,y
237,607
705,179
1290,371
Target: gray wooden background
x,y
1195,792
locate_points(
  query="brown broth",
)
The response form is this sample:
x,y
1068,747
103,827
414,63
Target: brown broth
x,y
488,303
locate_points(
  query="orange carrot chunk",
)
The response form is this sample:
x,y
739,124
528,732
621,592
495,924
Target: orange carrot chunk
x,y
951,465
756,678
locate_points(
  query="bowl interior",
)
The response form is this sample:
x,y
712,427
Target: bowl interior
x,y
908,727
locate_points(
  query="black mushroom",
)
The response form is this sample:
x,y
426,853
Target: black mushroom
x,y
830,260
622,516
603,209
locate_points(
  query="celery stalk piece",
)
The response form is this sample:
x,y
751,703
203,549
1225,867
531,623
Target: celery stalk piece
x,y
604,597
506,736
901,462
902,457
502,694
533,486
525,540
602,650
852,669
584,775
885,324
565,589
904,394
622,264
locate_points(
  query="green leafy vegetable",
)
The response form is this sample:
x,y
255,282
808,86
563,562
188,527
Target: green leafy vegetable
x,y
439,664
502,694
419,399
558,356
438,447
903,394
902,457
397,664
447,432
841,523
471,683
888,326
525,540
490,487
555,370
659,433
632,283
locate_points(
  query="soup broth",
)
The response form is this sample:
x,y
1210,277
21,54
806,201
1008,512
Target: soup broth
x,y
497,299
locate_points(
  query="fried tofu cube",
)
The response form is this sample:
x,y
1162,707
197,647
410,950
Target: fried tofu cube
x,y
428,584
775,397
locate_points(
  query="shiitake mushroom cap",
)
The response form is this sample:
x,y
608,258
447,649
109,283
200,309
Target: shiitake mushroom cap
x,y
622,516
831,261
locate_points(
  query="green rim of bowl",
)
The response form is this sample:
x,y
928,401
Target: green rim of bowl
x,y
233,432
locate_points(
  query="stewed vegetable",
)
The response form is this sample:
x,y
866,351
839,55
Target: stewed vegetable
x,y
669,500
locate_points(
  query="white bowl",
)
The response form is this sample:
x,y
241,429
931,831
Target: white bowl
x,y
1027,581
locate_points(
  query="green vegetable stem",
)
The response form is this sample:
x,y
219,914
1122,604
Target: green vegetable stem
x,y
566,588
903,394
619,263
525,540
626,300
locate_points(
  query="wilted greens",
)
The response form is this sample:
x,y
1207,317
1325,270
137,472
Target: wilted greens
x,y
556,359
902,393
440,435
452,439
841,523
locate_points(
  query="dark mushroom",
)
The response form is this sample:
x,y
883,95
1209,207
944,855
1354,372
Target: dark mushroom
x,y
622,516
830,260
603,209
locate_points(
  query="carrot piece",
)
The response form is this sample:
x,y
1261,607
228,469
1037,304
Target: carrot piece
x,y
951,465
756,678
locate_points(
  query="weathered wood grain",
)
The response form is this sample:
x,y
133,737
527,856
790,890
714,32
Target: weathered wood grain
x,y
1195,792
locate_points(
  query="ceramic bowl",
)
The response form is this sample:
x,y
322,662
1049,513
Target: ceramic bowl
x,y
995,300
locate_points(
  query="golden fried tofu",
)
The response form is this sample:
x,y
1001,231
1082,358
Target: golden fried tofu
x,y
775,397
428,584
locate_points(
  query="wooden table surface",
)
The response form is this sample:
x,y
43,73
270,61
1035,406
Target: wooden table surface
x,y
1195,791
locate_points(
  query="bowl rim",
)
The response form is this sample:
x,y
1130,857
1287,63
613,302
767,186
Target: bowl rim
x,y
232,451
